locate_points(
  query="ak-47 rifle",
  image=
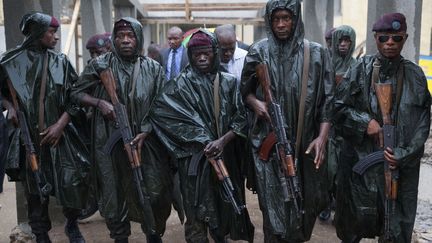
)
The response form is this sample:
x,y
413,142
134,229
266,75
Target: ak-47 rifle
x,y
287,163
44,188
228,188
122,122
384,96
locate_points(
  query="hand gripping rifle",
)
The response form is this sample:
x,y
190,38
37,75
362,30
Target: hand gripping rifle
x,y
44,188
122,122
228,188
287,163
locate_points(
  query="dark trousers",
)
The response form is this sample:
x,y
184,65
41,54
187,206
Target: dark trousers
x,y
38,215
119,229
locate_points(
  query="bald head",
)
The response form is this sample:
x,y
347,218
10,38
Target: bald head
x,y
175,37
227,41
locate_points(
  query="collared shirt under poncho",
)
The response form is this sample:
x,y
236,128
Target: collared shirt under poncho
x,y
285,64
359,208
184,119
65,166
118,197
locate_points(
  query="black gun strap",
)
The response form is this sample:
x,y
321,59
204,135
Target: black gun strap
x,y
305,76
41,117
216,103
399,86
135,74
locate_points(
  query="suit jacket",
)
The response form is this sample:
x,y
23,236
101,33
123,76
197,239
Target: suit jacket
x,y
165,54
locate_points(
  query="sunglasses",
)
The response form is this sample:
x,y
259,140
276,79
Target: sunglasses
x,y
395,38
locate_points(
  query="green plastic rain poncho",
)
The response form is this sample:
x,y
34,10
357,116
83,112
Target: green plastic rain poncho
x,y
65,166
117,194
184,118
360,199
285,63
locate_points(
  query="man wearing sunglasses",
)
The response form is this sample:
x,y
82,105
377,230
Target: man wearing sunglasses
x,y
360,197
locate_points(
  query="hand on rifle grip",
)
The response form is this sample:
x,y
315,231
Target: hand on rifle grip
x,y
107,109
389,156
374,131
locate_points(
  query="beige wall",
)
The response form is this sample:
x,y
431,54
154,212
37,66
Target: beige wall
x,y
354,13
426,26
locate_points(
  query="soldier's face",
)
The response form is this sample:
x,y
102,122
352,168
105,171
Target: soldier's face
x,y
282,24
390,44
125,42
202,58
50,38
344,45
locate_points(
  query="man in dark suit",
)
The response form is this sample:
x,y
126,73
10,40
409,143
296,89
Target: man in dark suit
x,y
174,58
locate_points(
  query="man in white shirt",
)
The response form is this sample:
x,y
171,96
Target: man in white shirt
x,y
232,57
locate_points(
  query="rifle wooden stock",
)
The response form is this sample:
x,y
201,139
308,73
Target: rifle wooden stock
x,y
33,162
264,79
109,84
384,96
227,185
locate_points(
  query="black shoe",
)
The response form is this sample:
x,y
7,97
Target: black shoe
x,y
72,232
154,239
43,238
325,214
124,240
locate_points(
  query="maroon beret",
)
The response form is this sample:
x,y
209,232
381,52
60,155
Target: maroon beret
x,y
54,22
99,40
199,39
390,22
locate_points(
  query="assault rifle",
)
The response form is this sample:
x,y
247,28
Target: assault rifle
x,y
125,131
43,187
289,181
228,188
384,96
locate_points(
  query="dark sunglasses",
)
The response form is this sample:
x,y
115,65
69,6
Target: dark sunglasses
x,y
395,38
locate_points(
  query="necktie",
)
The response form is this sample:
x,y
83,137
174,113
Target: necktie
x,y
173,71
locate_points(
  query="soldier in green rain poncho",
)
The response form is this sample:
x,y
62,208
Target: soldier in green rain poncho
x,y
184,118
282,51
342,49
360,198
138,80
63,158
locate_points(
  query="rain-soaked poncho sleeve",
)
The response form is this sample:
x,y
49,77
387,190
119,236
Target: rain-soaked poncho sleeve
x,y
87,82
239,121
415,148
354,122
176,119
146,126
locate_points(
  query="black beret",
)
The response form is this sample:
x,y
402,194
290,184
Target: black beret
x,y
390,22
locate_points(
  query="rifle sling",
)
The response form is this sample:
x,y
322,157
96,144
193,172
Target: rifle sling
x,y
305,75
216,103
132,91
41,117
